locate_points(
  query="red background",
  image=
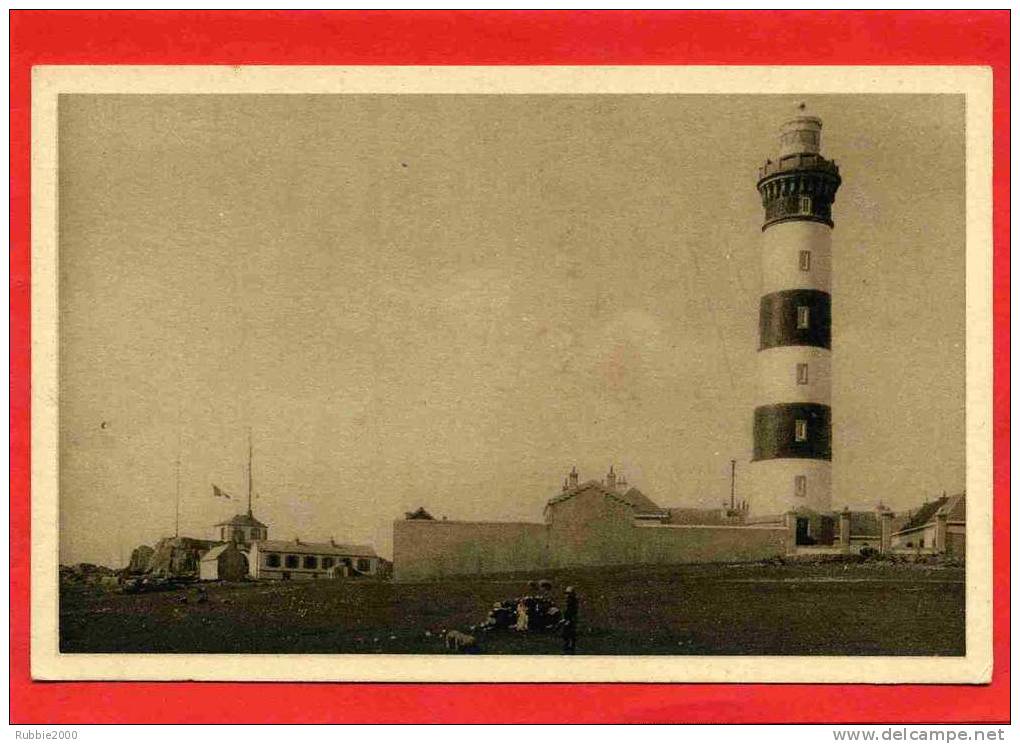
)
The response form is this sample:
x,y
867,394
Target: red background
x,y
496,38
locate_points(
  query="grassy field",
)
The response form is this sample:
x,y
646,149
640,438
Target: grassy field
x,y
834,609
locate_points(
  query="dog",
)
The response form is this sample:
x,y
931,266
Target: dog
x,y
459,642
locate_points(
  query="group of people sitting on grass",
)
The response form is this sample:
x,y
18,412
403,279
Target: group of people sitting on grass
x,y
536,612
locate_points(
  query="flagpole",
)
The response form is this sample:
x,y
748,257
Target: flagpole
x,y
249,471
733,483
177,480
177,516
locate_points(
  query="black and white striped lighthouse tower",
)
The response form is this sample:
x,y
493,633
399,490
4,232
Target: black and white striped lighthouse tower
x,y
792,463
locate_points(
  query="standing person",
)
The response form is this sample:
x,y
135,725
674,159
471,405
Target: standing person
x,y
570,622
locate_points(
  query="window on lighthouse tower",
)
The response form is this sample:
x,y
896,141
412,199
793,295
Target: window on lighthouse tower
x,y
805,260
803,317
800,430
800,486
802,374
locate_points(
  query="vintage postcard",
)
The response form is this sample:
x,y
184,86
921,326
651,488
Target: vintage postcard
x,y
593,374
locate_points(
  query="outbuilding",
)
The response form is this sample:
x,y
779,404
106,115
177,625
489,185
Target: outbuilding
x,y
939,526
223,563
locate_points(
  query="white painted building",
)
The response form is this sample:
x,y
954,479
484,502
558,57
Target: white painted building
x,y
939,526
223,563
296,559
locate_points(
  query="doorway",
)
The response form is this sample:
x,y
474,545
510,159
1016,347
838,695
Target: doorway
x,y
803,528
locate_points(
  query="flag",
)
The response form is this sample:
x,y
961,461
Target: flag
x,y
219,493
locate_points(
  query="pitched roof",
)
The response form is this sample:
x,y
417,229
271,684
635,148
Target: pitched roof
x,y
955,507
419,513
241,520
214,553
641,503
572,492
925,514
303,548
633,498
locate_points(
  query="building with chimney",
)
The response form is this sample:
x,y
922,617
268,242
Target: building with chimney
x,y
789,509
597,522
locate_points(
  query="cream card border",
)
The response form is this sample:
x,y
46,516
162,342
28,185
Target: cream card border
x,y
48,82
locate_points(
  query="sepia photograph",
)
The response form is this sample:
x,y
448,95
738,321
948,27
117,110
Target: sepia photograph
x,y
427,374
478,368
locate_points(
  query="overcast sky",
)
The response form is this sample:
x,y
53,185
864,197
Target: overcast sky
x,y
449,300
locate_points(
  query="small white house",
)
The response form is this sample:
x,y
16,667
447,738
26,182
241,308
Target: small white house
x,y
223,563
939,526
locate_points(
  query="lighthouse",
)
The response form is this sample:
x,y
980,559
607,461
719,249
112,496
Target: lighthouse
x,y
792,463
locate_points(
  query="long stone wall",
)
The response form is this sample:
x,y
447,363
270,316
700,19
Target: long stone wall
x,y
709,543
429,549
424,549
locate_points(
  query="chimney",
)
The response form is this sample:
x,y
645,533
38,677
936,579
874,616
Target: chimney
x,y
573,476
885,518
611,479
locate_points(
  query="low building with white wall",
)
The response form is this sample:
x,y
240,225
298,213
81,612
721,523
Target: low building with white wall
x,y
223,563
938,526
296,559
